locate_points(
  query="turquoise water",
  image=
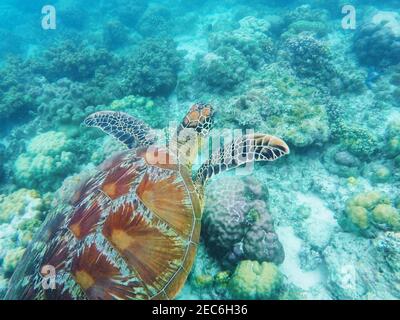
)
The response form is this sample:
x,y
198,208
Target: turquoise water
x,y
320,223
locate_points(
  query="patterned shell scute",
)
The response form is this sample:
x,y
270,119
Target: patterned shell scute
x,y
129,232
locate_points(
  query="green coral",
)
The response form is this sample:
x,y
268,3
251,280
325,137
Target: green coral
x,y
370,211
49,158
252,280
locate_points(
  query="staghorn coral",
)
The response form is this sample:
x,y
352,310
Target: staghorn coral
x,y
237,224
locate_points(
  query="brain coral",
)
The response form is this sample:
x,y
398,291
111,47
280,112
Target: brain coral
x,y
366,213
237,224
254,280
49,158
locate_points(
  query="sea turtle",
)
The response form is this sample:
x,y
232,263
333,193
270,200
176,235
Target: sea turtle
x,y
131,230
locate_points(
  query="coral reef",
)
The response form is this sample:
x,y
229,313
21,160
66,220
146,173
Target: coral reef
x,y
14,89
352,263
115,34
252,280
21,214
237,224
152,71
309,56
377,43
341,162
222,69
155,21
76,61
367,213
251,39
48,160
278,104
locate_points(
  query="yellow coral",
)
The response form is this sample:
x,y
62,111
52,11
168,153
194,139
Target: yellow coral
x,y
384,213
368,200
18,202
358,216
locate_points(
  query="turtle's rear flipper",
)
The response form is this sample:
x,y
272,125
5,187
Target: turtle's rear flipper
x,y
127,129
245,149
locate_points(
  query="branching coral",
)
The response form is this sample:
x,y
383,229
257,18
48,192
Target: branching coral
x,y
76,61
15,97
153,69
156,21
309,56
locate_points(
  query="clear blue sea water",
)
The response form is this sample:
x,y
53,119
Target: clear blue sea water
x,y
321,78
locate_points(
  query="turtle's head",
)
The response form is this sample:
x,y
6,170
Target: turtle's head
x,y
194,127
199,119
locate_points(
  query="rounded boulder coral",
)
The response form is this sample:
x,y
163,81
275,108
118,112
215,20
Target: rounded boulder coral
x,y
48,159
237,224
377,43
254,280
367,213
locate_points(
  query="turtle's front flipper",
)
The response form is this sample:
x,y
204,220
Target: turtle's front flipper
x,y
130,131
245,149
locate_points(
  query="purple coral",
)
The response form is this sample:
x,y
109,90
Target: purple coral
x,y
237,224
